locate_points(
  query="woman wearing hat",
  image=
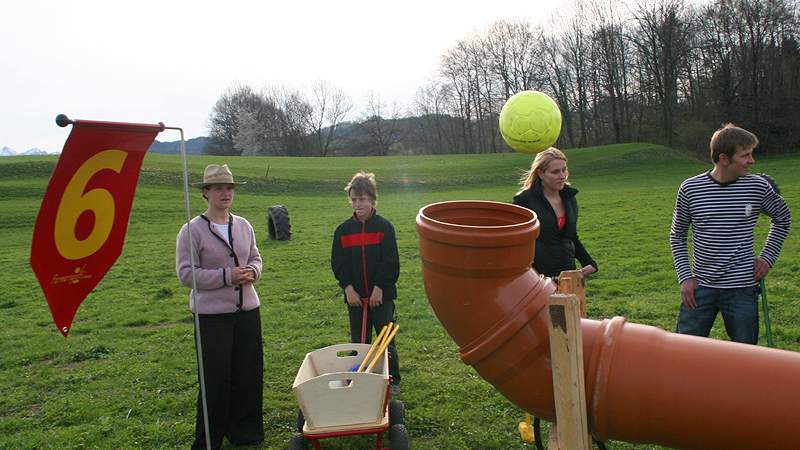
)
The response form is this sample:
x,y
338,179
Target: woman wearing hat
x,y
226,264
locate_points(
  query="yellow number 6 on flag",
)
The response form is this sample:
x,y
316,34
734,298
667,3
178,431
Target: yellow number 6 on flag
x,y
75,201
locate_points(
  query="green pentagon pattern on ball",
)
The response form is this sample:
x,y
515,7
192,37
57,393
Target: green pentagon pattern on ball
x,y
530,122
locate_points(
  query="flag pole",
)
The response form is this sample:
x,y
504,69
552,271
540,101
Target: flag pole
x,y
198,343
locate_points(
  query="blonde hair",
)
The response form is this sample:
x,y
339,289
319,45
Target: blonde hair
x,y
363,183
540,163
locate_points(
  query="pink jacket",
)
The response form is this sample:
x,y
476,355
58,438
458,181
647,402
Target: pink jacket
x,y
213,261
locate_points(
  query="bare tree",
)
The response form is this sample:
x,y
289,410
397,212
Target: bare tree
x,y
560,83
455,68
380,123
576,51
429,107
611,52
330,107
513,55
294,119
662,39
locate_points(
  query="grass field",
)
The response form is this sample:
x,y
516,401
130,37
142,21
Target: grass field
x,y
125,378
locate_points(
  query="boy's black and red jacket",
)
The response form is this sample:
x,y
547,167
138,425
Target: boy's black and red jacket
x,y
364,254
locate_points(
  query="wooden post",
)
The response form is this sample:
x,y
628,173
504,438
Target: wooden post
x,y
566,353
573,282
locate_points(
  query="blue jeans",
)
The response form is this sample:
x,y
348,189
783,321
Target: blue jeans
x,y
739,308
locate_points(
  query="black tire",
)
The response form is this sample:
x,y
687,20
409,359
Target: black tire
x,y
298,442
301,420
398,435
278,224
397,412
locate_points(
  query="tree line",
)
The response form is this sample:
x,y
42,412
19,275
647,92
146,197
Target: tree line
x,y
663,71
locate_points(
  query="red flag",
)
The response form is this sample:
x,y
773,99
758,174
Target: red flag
x,y
82,222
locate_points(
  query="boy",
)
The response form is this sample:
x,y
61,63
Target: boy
x,y
366,264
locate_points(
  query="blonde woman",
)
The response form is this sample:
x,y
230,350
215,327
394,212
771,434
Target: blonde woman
x,y
546,192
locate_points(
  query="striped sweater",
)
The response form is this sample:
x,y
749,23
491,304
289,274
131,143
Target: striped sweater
x,y
722,218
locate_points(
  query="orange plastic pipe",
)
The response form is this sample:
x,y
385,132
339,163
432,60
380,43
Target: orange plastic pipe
x,y
643,384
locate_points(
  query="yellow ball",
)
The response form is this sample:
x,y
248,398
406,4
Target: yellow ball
x,y
530,122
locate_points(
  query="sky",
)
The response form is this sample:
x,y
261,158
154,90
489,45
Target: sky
x,y
169,61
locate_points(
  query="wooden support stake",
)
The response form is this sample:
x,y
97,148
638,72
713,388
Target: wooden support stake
x,y
573,282
566,353
552,439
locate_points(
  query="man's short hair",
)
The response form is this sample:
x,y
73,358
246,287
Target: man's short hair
x,y
728,139
363,183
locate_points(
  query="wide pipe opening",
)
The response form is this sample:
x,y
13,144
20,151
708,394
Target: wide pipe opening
x,y
477,214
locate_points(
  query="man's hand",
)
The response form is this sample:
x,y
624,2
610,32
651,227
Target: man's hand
x,y
376,299
761,269
352,296
242,275
687,293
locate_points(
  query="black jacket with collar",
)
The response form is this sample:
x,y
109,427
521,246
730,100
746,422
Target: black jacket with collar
x,y
364,255
556,249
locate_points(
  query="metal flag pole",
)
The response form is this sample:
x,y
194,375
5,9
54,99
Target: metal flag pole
x,y
198,343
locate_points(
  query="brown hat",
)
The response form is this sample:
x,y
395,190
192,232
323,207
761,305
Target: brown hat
x,y
217,174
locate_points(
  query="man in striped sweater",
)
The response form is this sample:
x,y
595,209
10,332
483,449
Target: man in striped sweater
x,y
722,207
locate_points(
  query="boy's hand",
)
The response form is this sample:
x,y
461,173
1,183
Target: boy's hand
x,y
376,299
352,296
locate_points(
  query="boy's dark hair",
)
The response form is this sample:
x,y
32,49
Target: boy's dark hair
x,y
728,139
363,183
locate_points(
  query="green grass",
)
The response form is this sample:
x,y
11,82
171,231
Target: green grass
x,y
125,378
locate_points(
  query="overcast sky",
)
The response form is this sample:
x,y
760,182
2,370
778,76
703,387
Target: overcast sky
x,y
169,61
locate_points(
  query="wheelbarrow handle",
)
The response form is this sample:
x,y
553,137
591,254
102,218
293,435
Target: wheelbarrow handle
x,y
365,304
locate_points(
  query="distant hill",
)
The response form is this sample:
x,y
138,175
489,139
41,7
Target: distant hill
x,y
196,146
5,151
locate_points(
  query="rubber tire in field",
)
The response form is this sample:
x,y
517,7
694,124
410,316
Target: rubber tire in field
x,y
278,224
397,412
398,435
301,420
298,442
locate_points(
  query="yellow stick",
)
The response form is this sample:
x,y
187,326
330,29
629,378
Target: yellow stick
x,y
383,347
374,346
379,341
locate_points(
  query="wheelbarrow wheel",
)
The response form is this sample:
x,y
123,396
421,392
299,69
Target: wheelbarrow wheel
x,y
301,420
298,442
397,412
398,435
